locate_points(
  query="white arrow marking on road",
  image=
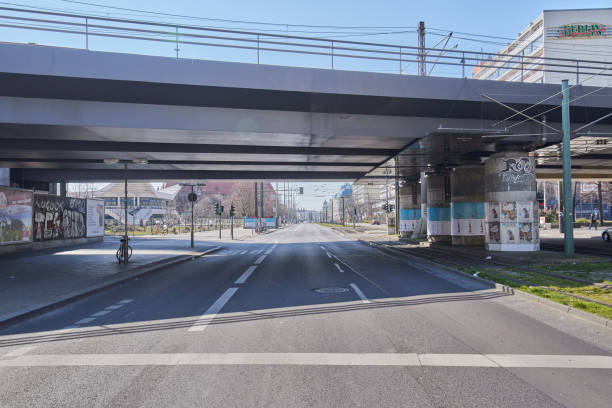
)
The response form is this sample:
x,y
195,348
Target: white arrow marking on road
x,y
359,293
212,311
246,274
339,268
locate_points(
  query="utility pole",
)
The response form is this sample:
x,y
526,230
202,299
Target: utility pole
x,y
567,172
125,232
192,197
276,194
421,50
256,207
261,200
343,213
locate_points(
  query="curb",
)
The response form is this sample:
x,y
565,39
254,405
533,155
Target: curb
x,y
506,289
133,274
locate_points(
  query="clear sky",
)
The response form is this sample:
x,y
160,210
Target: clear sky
x,y
476,24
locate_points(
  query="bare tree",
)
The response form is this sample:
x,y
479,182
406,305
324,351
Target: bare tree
x,y
243,198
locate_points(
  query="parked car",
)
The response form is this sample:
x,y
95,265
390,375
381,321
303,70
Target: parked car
x,y
605,235
375,222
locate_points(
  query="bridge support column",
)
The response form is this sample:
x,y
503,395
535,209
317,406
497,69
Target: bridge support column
x,y
438,207
5,177
511,206
467,205
409,207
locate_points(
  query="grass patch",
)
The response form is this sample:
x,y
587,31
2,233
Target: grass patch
x,y
595,293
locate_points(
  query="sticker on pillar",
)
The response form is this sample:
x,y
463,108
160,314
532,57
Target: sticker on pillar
x,y
494,233
467,218
493,210
525,212
409,218
438,221
509,233
508,211
525,232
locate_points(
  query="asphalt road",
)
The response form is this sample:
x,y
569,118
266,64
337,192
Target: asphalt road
x,y
246,327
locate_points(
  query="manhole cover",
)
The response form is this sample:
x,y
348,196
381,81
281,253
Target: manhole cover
x,y
331,290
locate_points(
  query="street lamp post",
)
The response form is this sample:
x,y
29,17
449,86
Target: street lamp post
x,y
125,174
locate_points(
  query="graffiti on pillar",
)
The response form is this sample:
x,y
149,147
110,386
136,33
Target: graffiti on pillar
x,y
517,171
59,217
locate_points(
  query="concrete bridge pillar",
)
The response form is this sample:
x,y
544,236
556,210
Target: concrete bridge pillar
x,y
468,205
438,207
511,206
410,207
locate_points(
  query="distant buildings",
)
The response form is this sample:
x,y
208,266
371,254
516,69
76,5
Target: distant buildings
x,y
579,34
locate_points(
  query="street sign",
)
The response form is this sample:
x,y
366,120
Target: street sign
x,y
193,197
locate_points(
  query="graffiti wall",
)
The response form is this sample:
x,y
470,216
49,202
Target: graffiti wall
x,y
15,216
59,217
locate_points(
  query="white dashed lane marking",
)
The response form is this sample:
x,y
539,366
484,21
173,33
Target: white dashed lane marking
x,y
338,267
359,293
212,311
246,274
260,259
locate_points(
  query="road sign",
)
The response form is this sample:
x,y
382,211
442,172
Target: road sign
x,y
193,197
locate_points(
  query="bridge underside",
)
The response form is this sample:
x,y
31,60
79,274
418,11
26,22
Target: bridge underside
x,y
63,112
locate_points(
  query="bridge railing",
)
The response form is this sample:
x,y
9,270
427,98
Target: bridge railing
x,y
101,33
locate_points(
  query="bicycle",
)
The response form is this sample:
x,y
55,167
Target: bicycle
x,y
120,252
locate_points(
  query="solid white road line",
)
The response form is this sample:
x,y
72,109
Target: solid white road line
x,y
313,359
212,311
338,267
85,320
359,293
260,259
20,351
246,274
328,255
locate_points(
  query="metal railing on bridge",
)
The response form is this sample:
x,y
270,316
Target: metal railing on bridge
x,y
252,46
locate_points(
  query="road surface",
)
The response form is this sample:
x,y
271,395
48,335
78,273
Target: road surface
x,y
298,318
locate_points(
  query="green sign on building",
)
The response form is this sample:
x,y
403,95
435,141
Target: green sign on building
x,y
581,30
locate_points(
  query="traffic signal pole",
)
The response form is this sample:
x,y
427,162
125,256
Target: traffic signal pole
x,y
567,172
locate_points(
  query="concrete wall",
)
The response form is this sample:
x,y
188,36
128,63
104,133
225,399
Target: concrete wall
x,y
438,207
467,206
409,207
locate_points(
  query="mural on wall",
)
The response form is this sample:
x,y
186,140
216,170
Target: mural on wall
x,y
517,171
59,217
15,215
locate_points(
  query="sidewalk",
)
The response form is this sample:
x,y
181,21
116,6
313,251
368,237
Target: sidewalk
x,y
37,280
240,234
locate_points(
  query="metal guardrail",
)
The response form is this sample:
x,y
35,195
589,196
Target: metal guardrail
x,y
91,26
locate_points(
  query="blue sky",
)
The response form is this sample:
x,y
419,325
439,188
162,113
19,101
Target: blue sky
x,y
503,19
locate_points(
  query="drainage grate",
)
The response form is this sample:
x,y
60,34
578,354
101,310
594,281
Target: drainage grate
x,y
331,290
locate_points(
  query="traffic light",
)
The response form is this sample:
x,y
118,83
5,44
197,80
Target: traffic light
x,y
221,208
232,210
301,190
217,209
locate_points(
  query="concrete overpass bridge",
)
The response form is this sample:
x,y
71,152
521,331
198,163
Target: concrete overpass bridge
x,y
63,111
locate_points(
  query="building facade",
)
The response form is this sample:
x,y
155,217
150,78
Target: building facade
x,y
578,34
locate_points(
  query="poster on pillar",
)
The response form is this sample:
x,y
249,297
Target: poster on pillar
x,y
250,222
95,218
438,221
509,233
15,215
409,218
468,218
